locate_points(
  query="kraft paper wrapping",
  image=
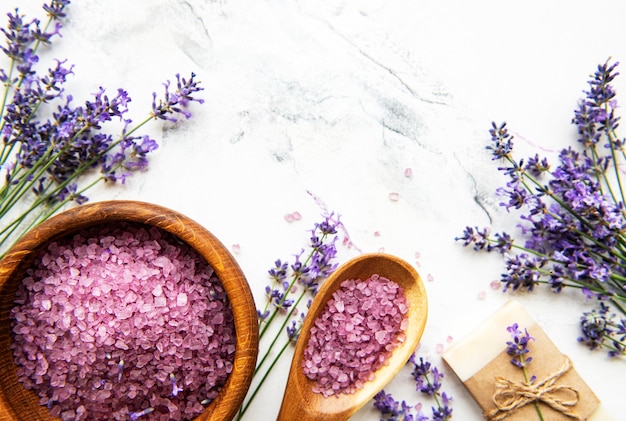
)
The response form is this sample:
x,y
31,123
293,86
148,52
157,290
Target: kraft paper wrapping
x,y
481,359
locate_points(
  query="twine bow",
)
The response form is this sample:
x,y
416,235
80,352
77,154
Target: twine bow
x,y
511,396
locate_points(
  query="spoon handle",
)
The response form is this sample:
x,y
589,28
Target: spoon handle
x,y
299,411
299,405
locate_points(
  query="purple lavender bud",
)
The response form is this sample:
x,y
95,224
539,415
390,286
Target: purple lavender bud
x,y
518,347
136,415
175,388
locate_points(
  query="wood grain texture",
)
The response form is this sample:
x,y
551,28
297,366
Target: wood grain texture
x,y
17,403
299,401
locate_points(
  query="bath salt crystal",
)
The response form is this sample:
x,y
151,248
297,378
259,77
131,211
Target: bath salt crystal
x,y
181,299
120,318
294,216
157,291
160,301
46,304
355,334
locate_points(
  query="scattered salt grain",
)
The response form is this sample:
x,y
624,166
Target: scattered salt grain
x,y
355,334
294,216
122,320
495,284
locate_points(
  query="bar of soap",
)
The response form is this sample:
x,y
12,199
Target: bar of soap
x,y
480,357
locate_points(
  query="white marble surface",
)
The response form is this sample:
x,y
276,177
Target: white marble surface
x,y
335,100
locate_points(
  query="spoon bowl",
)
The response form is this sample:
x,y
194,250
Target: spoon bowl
x,y
300,402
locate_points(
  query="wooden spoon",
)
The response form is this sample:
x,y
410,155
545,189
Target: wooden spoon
x,y
300,403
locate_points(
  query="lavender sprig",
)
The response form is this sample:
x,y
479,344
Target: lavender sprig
x,y
602,329
518,349
392,410
572,214
428,381
49,163
290,286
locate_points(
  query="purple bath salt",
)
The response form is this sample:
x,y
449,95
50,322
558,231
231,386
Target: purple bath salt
x,y
355,334
122,322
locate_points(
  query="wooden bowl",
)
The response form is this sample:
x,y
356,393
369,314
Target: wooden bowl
x,y
17,403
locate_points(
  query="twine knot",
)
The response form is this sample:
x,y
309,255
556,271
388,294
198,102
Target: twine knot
x,y
511,396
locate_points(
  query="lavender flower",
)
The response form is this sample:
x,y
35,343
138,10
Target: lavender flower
x,y
475,236
277,297
50,162
279,272
428,382
290,284
176,389
427,378
262,315
56,8
537,166
293,330
176,102
136,415
523,272
603,329
306,270
572,216
444,411
502,141
391,410
120,370
518,349
480,239
502,243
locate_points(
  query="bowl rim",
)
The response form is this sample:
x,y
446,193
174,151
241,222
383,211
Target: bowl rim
x,y
21,254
